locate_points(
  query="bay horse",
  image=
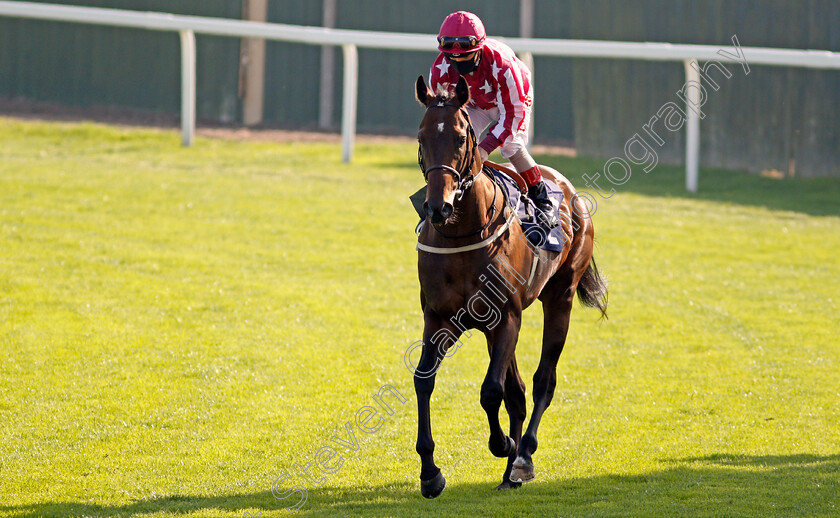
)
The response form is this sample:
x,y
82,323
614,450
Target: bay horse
x,y
469,281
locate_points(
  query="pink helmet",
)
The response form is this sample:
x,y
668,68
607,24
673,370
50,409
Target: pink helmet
x,y
461,32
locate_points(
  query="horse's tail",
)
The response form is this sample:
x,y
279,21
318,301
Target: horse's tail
x,y
592,289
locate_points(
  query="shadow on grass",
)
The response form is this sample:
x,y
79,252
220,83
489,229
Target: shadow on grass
x,y
716,485
813,196
175,504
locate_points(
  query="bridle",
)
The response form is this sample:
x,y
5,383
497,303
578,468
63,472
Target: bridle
x,y
464,181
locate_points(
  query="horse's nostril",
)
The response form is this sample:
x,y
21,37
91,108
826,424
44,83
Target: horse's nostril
x,y
447,210
428,210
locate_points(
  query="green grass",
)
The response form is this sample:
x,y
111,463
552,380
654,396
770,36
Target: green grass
x,y
179,327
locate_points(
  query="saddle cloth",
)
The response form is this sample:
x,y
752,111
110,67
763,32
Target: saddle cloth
x,y
552,241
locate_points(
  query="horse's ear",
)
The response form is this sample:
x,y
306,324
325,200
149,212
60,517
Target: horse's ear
x,y
423,94
462,91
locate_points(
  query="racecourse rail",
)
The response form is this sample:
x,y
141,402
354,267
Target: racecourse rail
x,y
350,40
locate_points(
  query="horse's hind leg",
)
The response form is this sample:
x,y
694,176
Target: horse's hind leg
x,y
515,406
557,307
501,342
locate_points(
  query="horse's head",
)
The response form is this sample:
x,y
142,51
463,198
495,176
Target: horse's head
x,y
447,154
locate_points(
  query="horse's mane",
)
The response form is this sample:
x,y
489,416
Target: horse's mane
x,y
444,93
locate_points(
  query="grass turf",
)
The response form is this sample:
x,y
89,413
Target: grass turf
x,y
180,327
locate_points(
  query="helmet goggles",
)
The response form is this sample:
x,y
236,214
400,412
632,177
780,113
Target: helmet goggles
x,y
464,43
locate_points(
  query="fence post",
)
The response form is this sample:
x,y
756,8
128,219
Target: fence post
x,y
692,128
325,111
187,86
252,66
350,95
526,30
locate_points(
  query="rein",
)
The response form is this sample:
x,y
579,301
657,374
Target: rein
x,y
480,244
492,212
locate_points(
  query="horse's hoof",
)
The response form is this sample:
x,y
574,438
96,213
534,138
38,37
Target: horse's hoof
x,y
523,470
434,487
510,447
507,484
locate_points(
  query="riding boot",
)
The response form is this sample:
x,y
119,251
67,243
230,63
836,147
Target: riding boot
x,y
545,213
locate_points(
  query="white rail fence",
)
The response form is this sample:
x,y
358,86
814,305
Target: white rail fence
x,y
350,40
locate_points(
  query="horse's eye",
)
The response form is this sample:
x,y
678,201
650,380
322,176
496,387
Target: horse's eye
x,y
462,140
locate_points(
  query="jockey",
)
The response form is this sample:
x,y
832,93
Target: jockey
x,y
500,95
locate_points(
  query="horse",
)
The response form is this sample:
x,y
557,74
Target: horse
x,y
469,281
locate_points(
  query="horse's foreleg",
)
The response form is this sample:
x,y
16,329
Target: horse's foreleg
x,y
502,344
556,309
437,338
